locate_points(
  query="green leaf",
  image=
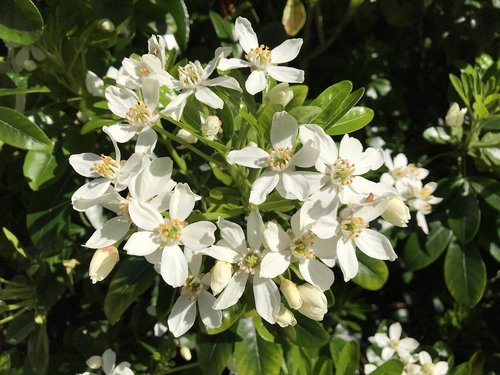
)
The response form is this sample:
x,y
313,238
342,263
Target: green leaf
x,y
418,254
229,317
20,22
330,102
304,113
464,216
18,131
324,366
262,329
222,27
465,273
11,237
372,274
356,118
299,96
392,367
214,352
177,10
95,124
457,84
348,359
463,369
23,91
488,189
255,356
20,328
309,333
40,168
133,277
297,362
38,350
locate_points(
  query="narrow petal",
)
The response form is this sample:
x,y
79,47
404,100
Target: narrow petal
x,y
199,235
255,228
144,215
92,189
83,164
228,64
175,108
122,133
153,179
224,81
245,34
146,142
286,74
120,100
348,261
219,54
233,291
284,130
422,222
110,233
350,148
395,331
232,233
307,156
316,273
141,243
275,237
274,264
108,361
221,253
256,82
182,316
267,298
150,91
375,245
208,97
251,157
174,267
263,186
210,317
182,202
286,51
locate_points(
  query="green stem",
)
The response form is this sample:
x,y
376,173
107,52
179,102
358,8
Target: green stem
x,y
184,367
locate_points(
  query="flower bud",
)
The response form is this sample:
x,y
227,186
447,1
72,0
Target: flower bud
x,y
30,65
102,263
187,136
314,303
285,317
397,212
106,25
211,128
294,17
280,94
186,353
291,293
455,116
94,362
220,276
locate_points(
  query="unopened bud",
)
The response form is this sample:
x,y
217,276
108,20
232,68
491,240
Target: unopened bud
x,y
455,116
106,25
294,17
314,303
70,265
220,276
291,293
94,362
252,144
187,136
285,317
30,65
211,128
102,263
397,212
280,94
186,353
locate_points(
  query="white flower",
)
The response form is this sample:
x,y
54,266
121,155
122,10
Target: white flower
x,y
280,161
156,47
291,293
262,61
285,317
193,79
421,200
280,94
135,72
353,232
107,361
314,303
94,84
102,263
393,343
300,245
160,238
105,170
211,128
397,212
430,368
194,292
221,276
455,116
140,112
233,248
400,171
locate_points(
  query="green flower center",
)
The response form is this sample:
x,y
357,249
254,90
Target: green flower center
x,y
354,226
139,115
342,172
302,247
170,231
250,261
191,75
279,159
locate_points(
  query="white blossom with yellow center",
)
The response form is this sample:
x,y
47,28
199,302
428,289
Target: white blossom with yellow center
x,y
400,171
263,61
280,161
392,343
420,199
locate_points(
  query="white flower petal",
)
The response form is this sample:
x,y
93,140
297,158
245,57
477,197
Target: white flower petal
x,y
422,222
408,344
208,97
199,235
326,249
146,142
307,156
174,266
150,91
348,261
285,74
245,34
182,202
175,108
142,243
251,157
121,133
263,186
182,316
350,148
255,228
375,245
228,64
110,233
120,100
83,164
221,253
286,51
144,215
233,291
256,82
316,273
92,189
275,237
210,317
219,54
233,234
274,263
152,180
395,331
108,361
224,81
267,298
284,130
296,185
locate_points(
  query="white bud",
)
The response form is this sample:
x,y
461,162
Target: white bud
x,y
220,276
314,304
280,94
252,144
94,362
211,128
102,263
187,136
30,65
186,353
106,25
291,293
397,212
285,317
455,116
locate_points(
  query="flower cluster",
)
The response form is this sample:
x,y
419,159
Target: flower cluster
x,y
407,179
152,213
390,345
107,362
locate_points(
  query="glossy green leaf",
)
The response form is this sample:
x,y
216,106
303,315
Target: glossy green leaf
x,y
229,317
421,251
20,328
20,22
303,114
95,124
40,168
462,369
309,333
132,278
372,274
253,355
347,362
223,28
324,366
330,101
38,350
12,238
214,352
299,96
465,273
177,10
488,189
464,216
297,362
457,84
392,367
356,118
18,131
